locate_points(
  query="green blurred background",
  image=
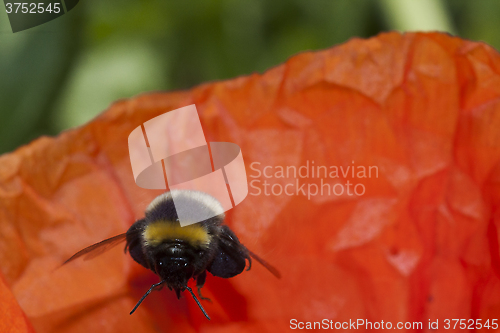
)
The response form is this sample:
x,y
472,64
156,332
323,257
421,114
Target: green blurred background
x,y
63,73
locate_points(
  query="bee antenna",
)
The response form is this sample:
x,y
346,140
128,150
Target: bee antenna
x,y
197,302
146,294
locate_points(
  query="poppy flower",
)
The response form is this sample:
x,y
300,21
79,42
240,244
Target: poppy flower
x,y
374,187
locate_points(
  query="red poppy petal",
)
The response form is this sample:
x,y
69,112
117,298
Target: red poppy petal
x,y
406,130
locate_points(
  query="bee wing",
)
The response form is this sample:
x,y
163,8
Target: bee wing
x,y
231,244
99,248
264,263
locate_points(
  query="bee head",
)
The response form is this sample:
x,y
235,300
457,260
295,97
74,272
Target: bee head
x,y
175,266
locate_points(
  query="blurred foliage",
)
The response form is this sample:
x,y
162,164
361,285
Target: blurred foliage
x,y
33,66
63,73
477,20
409,15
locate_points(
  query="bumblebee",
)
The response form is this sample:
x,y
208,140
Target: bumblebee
x,y
177,254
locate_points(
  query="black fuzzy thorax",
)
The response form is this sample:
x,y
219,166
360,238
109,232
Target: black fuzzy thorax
x,y
174,260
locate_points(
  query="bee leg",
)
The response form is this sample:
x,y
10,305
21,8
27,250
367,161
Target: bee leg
x,y
249,262
146,294
158,288
200,281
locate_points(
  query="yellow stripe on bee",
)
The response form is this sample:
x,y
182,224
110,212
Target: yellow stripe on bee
x,y
157,232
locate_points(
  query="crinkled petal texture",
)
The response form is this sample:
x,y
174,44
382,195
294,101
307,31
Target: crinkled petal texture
x,y
374,171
